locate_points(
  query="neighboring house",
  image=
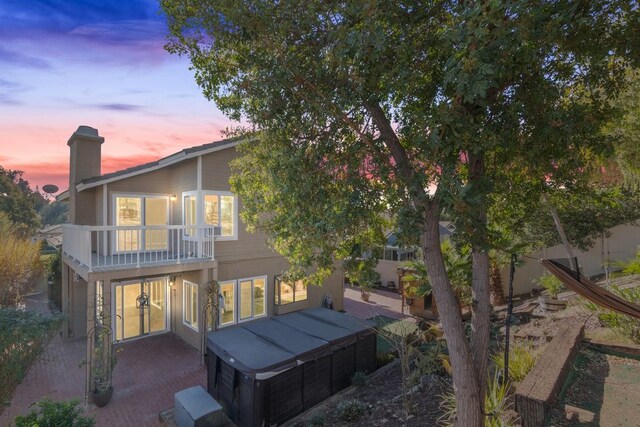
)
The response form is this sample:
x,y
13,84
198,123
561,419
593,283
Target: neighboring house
x,y
142,244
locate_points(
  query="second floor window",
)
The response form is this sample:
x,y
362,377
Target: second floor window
x,y
219,209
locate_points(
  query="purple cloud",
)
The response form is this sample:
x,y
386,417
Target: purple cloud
x,y
119,107
22,60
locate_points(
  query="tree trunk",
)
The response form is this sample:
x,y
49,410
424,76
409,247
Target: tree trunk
x,y
480,316
481,305
465,380
563,236
495,284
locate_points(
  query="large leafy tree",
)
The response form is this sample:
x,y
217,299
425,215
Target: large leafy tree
x,y
18,201
408,109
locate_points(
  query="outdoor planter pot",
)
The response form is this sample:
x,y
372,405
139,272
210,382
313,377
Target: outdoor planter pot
x,y
551,304
101,398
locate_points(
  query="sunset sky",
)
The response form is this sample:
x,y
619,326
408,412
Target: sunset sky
x,y
101,63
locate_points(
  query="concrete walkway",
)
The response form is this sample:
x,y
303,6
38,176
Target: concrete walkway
x,y
149,371
381,303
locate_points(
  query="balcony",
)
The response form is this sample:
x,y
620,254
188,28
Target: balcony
x,y
107,248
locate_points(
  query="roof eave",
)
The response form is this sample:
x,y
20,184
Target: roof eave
x,y
171,160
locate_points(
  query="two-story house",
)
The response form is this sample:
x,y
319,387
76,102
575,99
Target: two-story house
x,y
142,243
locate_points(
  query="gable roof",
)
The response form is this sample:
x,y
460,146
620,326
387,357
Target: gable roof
x,y
184,154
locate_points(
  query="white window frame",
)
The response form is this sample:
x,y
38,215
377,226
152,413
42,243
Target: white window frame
x,y
234,235
238,299
185,285
235,303
142,196
194,194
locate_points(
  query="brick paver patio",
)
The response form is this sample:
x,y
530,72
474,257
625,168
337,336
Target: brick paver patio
x,y
383,302
148,373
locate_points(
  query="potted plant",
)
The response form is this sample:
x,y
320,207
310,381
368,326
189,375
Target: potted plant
x,y
410,292
101,366
549,298
362,271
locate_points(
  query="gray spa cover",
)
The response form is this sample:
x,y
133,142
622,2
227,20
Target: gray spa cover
x,y
265,347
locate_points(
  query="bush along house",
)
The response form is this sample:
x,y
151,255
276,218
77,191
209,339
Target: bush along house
x,y
142,246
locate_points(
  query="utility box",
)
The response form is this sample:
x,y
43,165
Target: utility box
x,y
194,407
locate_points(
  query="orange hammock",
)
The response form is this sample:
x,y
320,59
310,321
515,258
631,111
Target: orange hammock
x,y
594,293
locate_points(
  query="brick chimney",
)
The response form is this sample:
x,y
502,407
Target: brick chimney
x,y
85,146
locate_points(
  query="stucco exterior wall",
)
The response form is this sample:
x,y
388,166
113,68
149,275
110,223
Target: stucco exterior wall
x,y
621,245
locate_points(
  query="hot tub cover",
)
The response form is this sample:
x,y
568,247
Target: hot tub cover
x,y
266,347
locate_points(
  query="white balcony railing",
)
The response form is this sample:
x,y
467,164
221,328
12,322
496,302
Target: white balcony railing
x,y
105,247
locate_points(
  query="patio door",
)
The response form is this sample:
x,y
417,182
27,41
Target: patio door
x,y
136,212
140,309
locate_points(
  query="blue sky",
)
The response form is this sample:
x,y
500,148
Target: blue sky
x,y
96,63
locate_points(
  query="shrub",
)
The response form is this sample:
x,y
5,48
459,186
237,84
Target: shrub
x,y
23,335
359,379
551,284
428,361
522,357
630,267
19,264
316,420
496,403
350,410
622,324
55,414
384,358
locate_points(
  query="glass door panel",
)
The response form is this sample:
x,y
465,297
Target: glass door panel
x,y
157,305
118,319
128,213
155,213
131,320
131,316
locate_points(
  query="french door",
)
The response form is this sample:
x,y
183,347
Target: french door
x,y
141,308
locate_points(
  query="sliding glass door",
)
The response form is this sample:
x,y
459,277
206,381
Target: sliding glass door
x,y
140,309
138,211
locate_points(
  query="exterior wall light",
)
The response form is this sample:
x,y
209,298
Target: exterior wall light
x,y
173,198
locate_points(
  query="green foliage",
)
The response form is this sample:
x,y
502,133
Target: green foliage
x,y
53,268
496,404
350,410
55,414
625,130
23,335
551,284
362,113
587,211
103,360
428,360
630,267
624,325
359,379
20,263
384,359
458,264
316,420
54,213
18,201
522,358
362,271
